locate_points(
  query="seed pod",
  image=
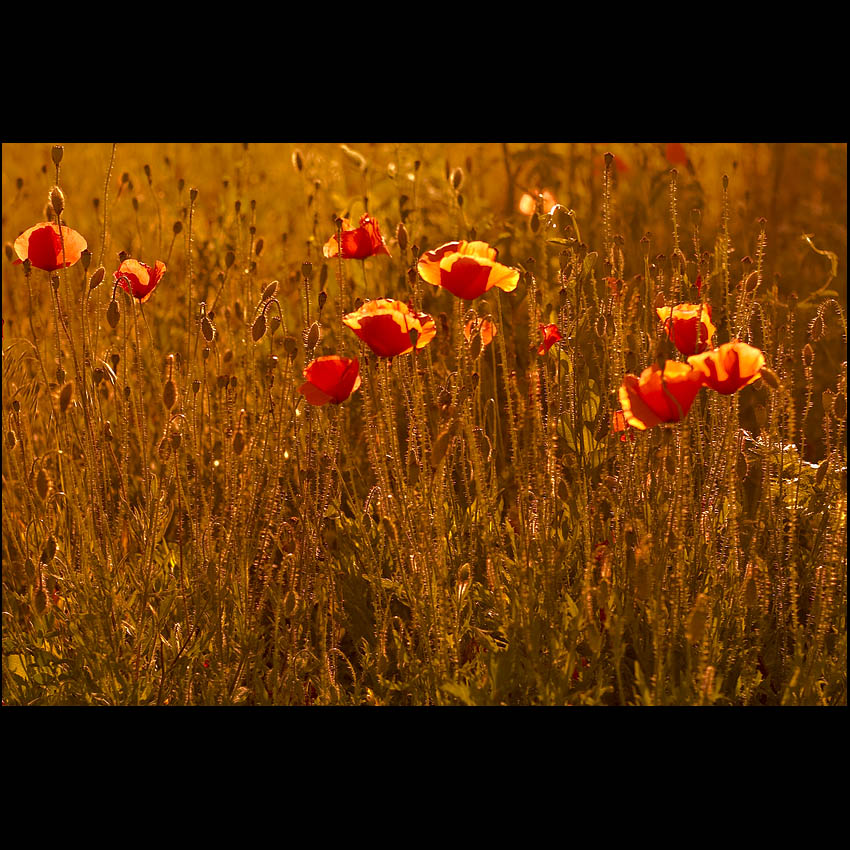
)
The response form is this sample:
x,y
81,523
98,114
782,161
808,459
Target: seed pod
x,y
258,329
65,397
258,248
11,439
274,324
457,178
534,223
290,346
313,336
270,290
177,228
207,329
176,439
238,443
97,278
56,154
196,386
169,394
193,195
113,313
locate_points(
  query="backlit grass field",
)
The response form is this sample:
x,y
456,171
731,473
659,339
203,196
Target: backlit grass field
x,y
437,424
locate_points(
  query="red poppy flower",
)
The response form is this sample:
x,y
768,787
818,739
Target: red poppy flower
x,y
730,367
528,202
659,395
138,279
486,328
42,246
688,326
466,269
385,326
676,154
330,379
357,242
551,335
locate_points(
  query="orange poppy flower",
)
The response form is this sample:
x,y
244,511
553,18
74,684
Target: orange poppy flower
x,y
486,328
466,269
138,279
385,326
528,202
357,242
330,379
659,395
689,326
42,246
551,335
730,367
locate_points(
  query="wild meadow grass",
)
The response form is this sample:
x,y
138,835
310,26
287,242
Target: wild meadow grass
x,y
474,520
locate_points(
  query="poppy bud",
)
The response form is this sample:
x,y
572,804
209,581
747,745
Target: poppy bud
x,y
816,328
65,397
57,200
401,236
821,473
297,160
270,290
85,258
258,329
769,377
274,324
49,551
169,394
290,346
839,406
323,297
113,313
11,439
41,484
196,386
177,228
313,336
193,195
808,356
60,375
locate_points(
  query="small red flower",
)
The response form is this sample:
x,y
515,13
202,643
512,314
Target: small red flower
x,y
659,395
138,279
698,284
385,326
42,246
689,326
466,269
551,335
357,242
730,367
330,379
676,154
